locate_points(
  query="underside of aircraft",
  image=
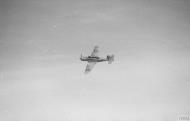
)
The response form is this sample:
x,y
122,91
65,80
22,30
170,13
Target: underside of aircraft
x,y
94,58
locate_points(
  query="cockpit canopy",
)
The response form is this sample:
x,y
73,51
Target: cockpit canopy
x,y
93,57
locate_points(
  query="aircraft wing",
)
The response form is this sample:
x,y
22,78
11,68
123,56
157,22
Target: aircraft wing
x,y
95,51
89,67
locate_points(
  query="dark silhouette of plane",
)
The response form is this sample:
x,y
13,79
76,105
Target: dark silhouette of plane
x,y
93,59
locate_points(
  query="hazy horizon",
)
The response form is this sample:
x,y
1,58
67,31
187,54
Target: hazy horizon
x,y
42,77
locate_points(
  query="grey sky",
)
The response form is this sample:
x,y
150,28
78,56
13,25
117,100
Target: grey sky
x,y
41,77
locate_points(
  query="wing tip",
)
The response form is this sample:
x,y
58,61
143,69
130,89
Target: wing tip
x,y
86,71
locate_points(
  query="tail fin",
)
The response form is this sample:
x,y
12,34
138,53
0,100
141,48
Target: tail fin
x,y
110,58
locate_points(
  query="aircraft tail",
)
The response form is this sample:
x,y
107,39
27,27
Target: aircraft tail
x,y
110,58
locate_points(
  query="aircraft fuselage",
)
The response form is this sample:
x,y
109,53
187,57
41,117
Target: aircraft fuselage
x,y
93,59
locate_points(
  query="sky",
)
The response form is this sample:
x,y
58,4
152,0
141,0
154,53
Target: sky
x,y
42,78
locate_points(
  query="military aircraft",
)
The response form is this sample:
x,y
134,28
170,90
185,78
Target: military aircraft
x,y
93,59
